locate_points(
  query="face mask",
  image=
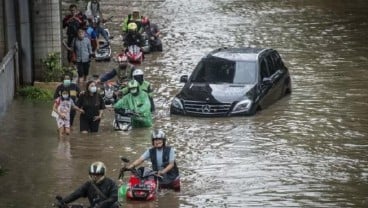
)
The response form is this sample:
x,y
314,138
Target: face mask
x,y
65,96
66,82
93,89
134,90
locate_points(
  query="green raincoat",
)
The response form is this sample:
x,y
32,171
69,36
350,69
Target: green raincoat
x,y
139,104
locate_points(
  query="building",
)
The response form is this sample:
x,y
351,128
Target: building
x,y
29,30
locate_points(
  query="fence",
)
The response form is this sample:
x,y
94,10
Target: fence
x,y
9,77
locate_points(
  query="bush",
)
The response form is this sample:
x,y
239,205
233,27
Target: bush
x,y
35,93
2,171
53,69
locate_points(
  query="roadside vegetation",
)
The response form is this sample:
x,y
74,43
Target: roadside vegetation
x,y
52,70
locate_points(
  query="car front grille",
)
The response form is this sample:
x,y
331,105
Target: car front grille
x,y
204,108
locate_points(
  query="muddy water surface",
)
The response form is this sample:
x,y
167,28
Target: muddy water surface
x,y
307,150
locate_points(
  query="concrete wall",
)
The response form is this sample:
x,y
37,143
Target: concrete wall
x,y
8,65
46,31
2,31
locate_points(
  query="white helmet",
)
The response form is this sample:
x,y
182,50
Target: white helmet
x,y
137,72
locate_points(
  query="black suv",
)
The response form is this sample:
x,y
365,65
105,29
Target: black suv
x,y
233,81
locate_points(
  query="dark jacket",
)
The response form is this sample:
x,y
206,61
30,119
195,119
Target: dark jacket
x,y
133,39
74,23
107,186
91,104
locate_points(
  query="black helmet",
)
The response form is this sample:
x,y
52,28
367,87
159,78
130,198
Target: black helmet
x,y
158,134
97,168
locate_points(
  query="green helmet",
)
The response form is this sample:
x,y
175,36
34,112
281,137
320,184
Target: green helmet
x,y
132,26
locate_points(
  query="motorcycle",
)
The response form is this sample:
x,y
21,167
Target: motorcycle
x,y
147,46
110,92
142,184
103,53
62,204
134,54
123,120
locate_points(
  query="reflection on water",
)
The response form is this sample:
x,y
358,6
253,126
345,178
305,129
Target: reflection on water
x,y
307,150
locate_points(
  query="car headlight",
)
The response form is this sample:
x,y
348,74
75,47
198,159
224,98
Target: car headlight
x,y
242,106
176,103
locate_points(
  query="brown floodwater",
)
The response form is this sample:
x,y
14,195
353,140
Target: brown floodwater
x,y
307,150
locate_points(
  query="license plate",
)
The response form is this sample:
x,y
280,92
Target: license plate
x,y
124,119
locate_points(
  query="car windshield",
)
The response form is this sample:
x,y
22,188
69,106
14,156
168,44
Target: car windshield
x,y
218,70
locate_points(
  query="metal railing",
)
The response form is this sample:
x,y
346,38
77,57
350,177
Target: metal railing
x,y
9,77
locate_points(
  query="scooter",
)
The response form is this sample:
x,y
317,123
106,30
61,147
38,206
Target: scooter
x,y
147,46
142,184
110,91
103,53
134,54
123,120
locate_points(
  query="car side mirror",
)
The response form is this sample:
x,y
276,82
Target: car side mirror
x,y
267,81
184,79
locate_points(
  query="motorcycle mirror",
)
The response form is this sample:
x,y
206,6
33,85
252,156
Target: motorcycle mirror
x,y
124,159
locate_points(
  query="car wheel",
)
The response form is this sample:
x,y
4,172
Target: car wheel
x,y
254,110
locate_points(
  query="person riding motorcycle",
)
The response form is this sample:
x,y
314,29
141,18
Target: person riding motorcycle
x,y
133,37
162,158
134,17
153,33
136,101
144,85
123,72
100,190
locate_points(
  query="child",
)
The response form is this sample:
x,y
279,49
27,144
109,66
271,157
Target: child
x,y
62,106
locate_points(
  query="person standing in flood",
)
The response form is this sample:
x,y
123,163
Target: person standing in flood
x,y
62,106
73,22
83,50
93,105
73,90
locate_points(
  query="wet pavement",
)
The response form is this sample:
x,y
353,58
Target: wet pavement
x,y
307,150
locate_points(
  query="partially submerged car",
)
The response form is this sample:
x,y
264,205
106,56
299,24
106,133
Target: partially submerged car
x,y
233,81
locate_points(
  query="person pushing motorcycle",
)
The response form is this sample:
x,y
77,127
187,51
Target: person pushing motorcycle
x,y
123,72
136,101
133,37
162,158
101,191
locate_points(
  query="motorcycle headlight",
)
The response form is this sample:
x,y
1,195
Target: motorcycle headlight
x,y
242,106
176,103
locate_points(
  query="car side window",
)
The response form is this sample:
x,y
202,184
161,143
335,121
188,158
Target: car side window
x,y
271,66
277,60
264,69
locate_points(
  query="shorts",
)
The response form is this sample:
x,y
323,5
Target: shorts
x,y
88,124
83,68
63,123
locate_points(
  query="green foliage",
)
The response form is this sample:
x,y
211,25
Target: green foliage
x,y
35,93
2,171
53,69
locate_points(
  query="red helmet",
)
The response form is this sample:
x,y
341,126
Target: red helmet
x,y
122,60
145,21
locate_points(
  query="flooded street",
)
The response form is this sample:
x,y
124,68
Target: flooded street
x,y
307,150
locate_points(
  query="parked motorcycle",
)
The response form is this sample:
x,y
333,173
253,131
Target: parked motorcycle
x,y
142,184
103,53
